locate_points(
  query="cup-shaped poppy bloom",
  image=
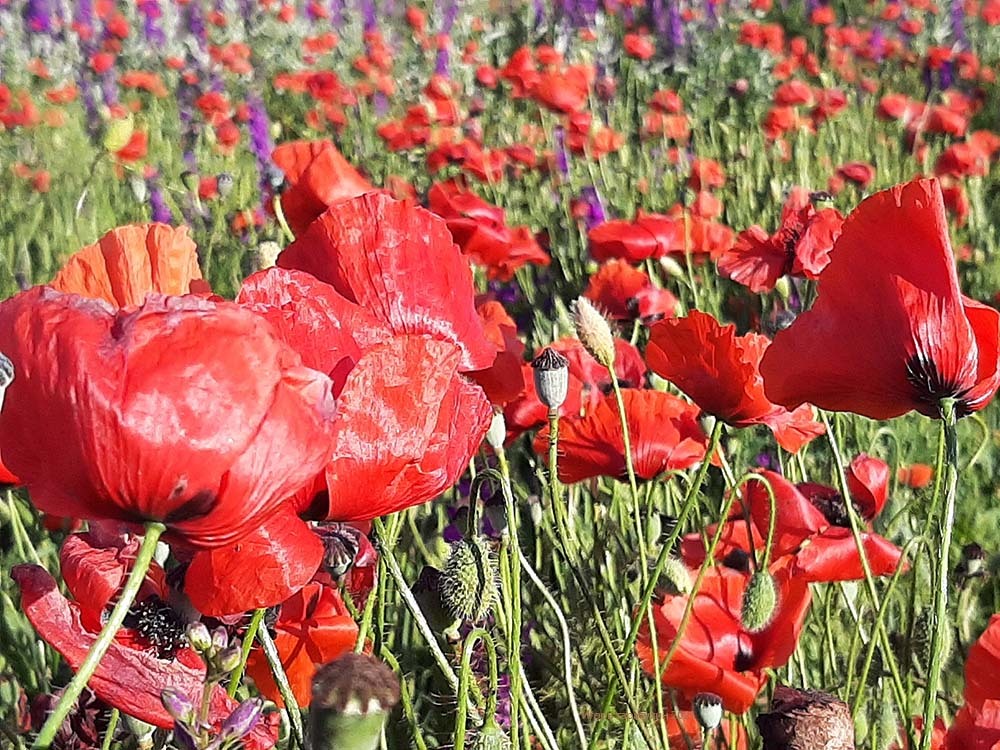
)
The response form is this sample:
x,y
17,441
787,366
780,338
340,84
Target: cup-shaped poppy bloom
x,y
800,247
376,251
812,533
718,370
145,657
902,340
314,627
132,261
407,420
977,723
717,654
183,411
647,236
663,429
626,293
318,176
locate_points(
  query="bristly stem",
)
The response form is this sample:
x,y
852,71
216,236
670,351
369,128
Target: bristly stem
x,y
72,692
284,688
941,577
514,636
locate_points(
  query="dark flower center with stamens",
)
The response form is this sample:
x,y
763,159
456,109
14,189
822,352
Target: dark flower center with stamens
x,y
159,624
830,503
922,373
737,559
744,659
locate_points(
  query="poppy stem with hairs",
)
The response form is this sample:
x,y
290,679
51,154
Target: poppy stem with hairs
x,y
247,647
514,637
555,489
949,470
479,635
72,691
284,688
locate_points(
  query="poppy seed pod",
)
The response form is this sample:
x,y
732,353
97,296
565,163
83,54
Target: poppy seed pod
x,y
760,601
594,332
551,377
806,720
351,698
492,737
468,581
707,710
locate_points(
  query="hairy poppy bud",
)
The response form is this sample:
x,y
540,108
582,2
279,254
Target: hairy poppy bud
x,y
492,737
594,332
118,133
468,581
678,576
351,698
497,432
707,710
672,268
760,600
551,377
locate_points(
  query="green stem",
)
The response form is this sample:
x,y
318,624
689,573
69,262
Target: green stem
x,y
72,692
245,649
284,688
941,582
405,699
479,634
109,733
514,636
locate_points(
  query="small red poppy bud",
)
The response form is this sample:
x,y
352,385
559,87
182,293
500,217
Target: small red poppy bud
x,y
707,710
551,377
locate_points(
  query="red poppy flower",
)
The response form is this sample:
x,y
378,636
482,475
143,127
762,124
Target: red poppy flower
x,y
503,381
639,46
130,262
904,339
314,627
481,230
812,535
648,236
407,420
630,369
664,432
626,293
319,177
800,247
716,653
977,724
718,370
140,663
375,252
212,422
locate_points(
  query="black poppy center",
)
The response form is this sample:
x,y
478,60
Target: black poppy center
x,y
931,386
831,504
159,624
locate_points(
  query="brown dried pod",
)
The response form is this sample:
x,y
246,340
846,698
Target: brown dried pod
x,y
806,720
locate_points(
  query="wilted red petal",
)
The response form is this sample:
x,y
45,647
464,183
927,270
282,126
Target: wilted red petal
x,y
127,678
376,251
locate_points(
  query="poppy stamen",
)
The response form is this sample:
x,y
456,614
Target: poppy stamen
x,y
159,624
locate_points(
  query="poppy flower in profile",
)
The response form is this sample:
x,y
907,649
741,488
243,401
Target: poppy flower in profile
x,y
318,176
375,252
503,381
718,370
800,247
904,339
626,293
977,723
146,656
183,411
647,236
717,653
132,261
630,369
314,627
664,432
812,535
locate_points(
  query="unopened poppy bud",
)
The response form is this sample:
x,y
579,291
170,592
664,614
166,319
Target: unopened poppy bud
x,y
351,699
492,737
178,705
594,332
551,377
224,183
707,710
199,637
140,190
760,600
118,133
678,576
468,581
497,432
243,720
672,268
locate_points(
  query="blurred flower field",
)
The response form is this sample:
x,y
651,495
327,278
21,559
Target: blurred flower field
x,y
499,374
